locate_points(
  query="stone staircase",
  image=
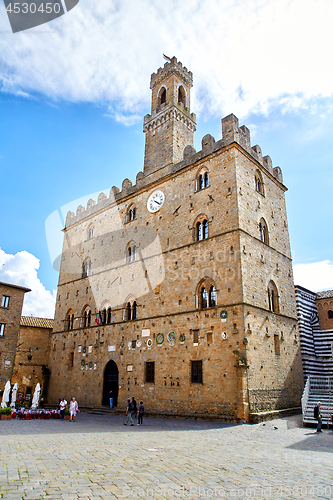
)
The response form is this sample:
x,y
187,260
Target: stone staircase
x,y
317,389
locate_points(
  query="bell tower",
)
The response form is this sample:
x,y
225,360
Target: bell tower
x,y
170,126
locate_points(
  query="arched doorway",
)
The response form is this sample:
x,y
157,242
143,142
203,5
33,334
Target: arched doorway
x,y
110,383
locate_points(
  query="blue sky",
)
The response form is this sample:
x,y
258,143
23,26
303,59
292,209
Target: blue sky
x,y
73,96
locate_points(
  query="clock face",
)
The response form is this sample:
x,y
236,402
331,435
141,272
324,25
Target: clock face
x,y
155,201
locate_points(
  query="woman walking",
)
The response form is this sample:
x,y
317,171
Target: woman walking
x,y
73,409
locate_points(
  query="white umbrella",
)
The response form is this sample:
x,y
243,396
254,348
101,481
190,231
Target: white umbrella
x,y
5,396
35,398
13,398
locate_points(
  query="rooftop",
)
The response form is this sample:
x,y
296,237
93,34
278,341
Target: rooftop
x,y
37,322
327,294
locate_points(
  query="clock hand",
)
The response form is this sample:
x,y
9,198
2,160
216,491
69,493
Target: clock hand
x,y
155,201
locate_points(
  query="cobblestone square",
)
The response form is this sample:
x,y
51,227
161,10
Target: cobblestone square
x,y
98,458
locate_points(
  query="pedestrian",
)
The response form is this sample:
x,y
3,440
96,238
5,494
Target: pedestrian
x,y
129,409
62,406
73,409
135,409
141,412
317,416
111,399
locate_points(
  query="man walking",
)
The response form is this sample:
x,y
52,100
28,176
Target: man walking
x,y
111,399
62,407
129,410
317,416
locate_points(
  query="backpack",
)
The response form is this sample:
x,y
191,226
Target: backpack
x,y
315,412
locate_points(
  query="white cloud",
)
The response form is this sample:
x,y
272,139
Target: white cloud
x,y
245,56
316,276
21,269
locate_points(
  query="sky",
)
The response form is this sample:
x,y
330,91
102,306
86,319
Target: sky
x,y
74,91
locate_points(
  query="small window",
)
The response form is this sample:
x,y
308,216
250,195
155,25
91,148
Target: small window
x,y
163,96
330,314
71,359
108,317
134,310
86,268
196,372
273,299
86,318
2,329
104,316
263,231
130,311
201,231
181,95
150,372
195,337
204,298
212,297
5,301
90,233
277,345
207,295
131,214
259,185
202,181
130,255
69,324
206,180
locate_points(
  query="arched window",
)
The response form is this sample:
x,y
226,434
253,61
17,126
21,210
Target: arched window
x,y
212,296
330,314
273,298
131,311
182,95
263,231
86,268
128,312
202,180
201,230
131,213
259,185
204,298
206,294
162,96
108,316
130,253
134,310
69,323
206,179
104,316
90,232
205,229
86,317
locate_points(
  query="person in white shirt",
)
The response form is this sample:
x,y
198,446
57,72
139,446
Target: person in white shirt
x,y
73,409
62,406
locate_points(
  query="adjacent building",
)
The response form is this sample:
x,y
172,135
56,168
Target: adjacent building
x,y
32,356
179,290
11,297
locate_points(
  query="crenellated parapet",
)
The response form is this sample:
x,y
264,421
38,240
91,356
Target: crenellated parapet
x,y
231,132
172,67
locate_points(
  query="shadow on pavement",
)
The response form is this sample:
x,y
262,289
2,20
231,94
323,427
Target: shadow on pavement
x,y
107,423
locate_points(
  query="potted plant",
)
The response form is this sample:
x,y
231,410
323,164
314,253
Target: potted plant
x,y
66,414
5,413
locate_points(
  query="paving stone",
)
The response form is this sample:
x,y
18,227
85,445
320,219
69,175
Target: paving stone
x,y
190,458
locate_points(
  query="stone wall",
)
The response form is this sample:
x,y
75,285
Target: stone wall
x,y
10,316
